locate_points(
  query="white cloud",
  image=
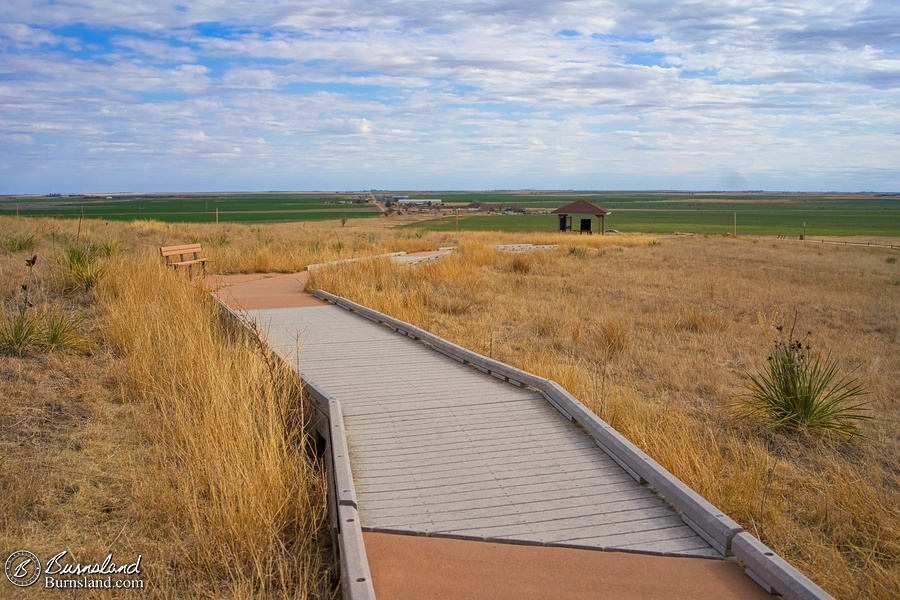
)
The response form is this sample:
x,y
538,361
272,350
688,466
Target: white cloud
x,y
556,90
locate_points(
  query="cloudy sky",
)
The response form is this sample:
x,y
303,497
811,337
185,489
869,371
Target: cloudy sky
x,y
151,95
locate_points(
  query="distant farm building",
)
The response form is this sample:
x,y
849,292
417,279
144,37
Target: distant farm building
x,y
418,202
581,207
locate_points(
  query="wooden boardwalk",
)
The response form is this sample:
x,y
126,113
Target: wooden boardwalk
x,y
492,474
438,447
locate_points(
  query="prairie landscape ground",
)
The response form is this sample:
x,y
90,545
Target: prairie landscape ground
x,y
656,335
122,435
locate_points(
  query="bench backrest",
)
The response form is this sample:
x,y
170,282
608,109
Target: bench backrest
x,y
167,251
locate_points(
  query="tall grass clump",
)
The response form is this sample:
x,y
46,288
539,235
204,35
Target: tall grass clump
x,y
800,390
231,479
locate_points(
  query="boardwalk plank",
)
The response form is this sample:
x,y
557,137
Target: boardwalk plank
x,y
507,505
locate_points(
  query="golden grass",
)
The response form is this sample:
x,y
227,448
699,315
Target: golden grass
x,y
652,333
655,338
232,485
157,432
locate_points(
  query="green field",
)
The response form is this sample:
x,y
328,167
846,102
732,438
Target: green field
x,y
757,214
763,213
195,208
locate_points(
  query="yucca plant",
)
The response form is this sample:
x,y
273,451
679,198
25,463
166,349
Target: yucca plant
x,y
60,237
802,390
218,240
61,331
18,334
18,243
81,266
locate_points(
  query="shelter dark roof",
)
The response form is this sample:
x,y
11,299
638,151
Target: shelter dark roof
x,y
580,207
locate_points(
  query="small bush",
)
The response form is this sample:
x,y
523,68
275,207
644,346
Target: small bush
x,y
520,264
577,252
799,390
891,260
18,243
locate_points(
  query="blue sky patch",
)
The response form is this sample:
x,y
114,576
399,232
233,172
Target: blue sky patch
x,y
647,59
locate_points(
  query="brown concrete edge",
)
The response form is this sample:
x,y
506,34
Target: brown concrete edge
x,y
413,567
263,290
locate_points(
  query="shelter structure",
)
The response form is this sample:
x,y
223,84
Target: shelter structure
x,y
581,207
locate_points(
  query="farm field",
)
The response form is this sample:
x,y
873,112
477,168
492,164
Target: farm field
x,y
195,208
653,332
825,215
757,214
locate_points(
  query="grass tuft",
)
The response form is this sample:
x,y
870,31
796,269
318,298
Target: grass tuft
x,y
577,252
520,264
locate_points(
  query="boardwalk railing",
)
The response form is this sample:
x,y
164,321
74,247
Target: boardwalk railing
x,y
356,578
762,564
343,510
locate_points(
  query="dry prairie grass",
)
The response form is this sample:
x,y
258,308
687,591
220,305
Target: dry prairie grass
x,y
166,435
652,333
233,486
656,338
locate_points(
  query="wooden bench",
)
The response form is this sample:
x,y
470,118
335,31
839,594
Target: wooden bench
x,y
191,251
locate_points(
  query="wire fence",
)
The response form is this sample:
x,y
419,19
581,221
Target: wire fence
x,y
841,243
